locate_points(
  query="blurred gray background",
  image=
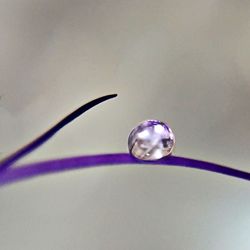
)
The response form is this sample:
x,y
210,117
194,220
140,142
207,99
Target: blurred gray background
x,y
184,62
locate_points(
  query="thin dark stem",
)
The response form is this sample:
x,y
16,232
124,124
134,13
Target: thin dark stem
x,y
11,159
55,166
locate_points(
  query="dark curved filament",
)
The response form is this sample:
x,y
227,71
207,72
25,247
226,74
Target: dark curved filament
x,y
11,159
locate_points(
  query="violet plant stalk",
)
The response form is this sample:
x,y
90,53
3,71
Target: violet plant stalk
x,y
9,175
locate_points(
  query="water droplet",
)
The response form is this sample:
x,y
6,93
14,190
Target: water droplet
x,y
151,140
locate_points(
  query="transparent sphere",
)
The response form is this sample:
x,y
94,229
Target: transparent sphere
x,y
151,140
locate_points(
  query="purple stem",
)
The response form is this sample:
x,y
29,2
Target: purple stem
x,y
9,175
54,166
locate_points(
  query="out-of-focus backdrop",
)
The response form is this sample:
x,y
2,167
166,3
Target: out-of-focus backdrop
x,y
184,62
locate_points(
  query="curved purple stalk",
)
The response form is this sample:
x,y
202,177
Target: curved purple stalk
x,y
35,169
10,160
55,166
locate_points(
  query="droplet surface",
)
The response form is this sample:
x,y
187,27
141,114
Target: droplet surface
x,y
151,140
